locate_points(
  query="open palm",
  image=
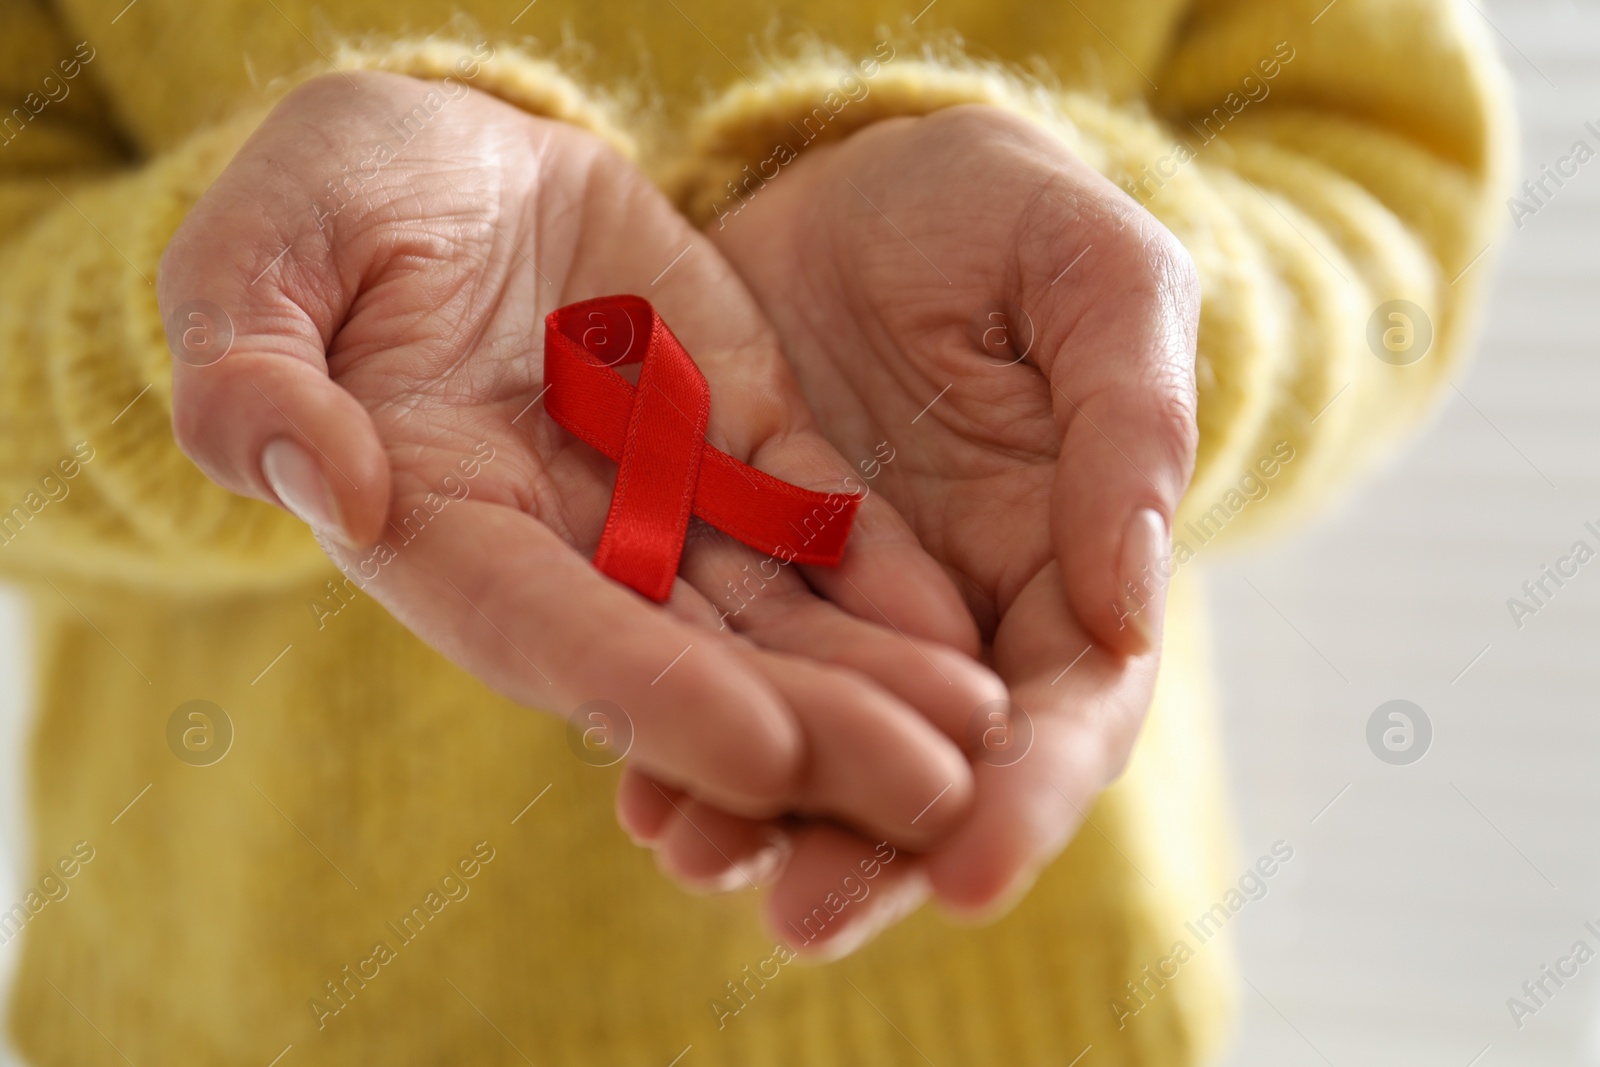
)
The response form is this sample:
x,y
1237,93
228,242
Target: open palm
x,y
963,287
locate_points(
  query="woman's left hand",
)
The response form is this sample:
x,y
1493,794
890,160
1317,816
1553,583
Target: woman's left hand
x,y
1022,335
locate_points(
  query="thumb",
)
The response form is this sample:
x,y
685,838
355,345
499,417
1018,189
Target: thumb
x,y
1123,391
250,306
275,427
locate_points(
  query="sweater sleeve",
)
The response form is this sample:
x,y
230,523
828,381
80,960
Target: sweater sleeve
x,y
92,484
1334,175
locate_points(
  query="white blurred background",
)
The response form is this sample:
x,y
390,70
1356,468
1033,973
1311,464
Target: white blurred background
x,y
1423,896
1427,894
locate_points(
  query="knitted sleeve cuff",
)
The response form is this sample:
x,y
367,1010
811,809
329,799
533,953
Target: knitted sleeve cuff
x,y
534,85
754,129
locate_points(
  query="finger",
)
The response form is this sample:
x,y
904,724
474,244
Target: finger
x,y
838,891
777,609
279,430
265,420
886,577
1081,707
873,762
502,596
709,850
719,852
1123,388
252,297
943,685
644,805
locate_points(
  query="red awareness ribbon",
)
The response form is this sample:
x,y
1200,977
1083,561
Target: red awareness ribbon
x,y
656,433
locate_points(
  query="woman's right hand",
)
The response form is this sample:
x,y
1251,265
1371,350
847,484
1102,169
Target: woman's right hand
x,y
387,310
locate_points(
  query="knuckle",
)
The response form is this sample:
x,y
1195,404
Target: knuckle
x,y
1181,437
1177,426
1176,264
1174,275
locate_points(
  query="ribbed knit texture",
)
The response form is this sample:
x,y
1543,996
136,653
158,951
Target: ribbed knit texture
x,y
364,767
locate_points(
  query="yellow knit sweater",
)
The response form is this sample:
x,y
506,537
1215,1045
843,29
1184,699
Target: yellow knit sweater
x,y
1318,160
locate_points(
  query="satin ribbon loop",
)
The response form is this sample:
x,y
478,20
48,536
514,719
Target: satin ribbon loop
x,y
666,470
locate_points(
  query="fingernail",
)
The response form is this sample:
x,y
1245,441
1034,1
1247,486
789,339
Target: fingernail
x,y
297,480
901,900
764,866
1145,544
